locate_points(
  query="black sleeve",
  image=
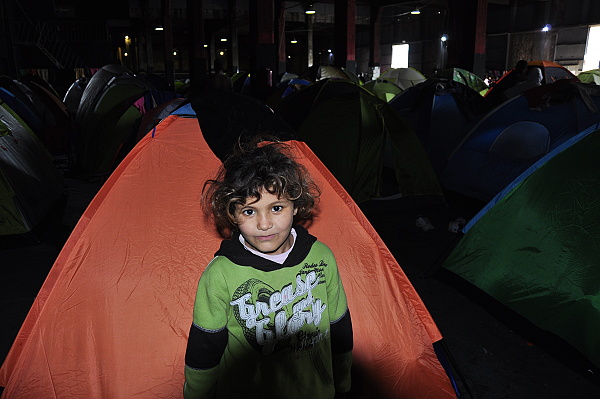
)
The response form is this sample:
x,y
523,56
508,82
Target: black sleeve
x,y
205,347
341,335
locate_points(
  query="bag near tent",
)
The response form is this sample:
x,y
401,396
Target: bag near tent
x,y
113,316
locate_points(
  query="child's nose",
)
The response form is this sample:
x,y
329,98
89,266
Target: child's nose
x,y
264,223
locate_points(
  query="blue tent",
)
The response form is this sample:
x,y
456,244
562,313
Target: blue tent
x,y
518,133
440,112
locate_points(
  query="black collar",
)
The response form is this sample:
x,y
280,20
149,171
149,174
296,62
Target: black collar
x,y
234,250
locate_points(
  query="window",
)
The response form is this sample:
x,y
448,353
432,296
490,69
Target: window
x,y
591,60
399,56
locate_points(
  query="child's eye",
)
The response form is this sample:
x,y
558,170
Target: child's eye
x,y
277,208
247,212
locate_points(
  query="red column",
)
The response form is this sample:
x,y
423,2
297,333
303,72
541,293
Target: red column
x,y
375,28
345,34
466,43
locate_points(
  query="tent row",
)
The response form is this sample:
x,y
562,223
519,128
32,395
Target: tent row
x,y
41,109
464,144
45,139
360,147
375,148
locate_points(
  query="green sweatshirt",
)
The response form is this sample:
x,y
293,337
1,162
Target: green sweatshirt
x,y
265,330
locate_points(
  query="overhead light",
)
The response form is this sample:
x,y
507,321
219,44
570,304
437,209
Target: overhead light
x,y
206,45
444,37
415,11
159,27
310,9
546,28
294,41
224,39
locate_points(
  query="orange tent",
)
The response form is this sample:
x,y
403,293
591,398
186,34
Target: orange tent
x,y
113,316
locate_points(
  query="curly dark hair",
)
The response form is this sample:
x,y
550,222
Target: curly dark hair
x,y
247,171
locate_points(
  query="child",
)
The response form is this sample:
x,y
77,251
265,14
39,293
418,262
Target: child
x,y
270,318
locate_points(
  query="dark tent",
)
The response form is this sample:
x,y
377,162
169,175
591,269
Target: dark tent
x,y
441,112
33,121
226,117
96,86
284,89
56,134
367,147
30,184
56,123
108,117
74,93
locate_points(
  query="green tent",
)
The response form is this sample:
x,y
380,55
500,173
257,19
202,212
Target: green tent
x,y
383,89
465,77
536,246
591,76
367,147
319,72
402,77
30,184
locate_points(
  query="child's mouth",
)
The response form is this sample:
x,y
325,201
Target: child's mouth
x,y
265,238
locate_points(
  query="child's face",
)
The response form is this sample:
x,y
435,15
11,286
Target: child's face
x,y
266,224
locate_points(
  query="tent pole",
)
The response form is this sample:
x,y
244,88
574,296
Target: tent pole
x,y
450,358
